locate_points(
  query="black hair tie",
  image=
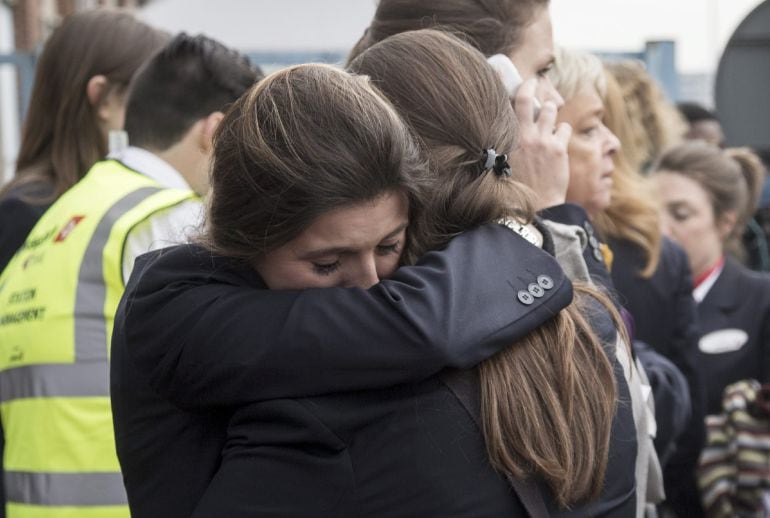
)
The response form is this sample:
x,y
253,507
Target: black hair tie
x,y
498,163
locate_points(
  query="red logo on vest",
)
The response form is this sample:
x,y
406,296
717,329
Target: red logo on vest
x,y
68,228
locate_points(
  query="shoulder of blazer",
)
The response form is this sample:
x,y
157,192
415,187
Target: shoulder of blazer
x,y
736,284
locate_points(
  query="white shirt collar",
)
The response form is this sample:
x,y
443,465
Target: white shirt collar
x,y
703,288
152,166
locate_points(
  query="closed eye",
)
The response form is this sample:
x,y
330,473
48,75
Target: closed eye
x,y
393,248
326,268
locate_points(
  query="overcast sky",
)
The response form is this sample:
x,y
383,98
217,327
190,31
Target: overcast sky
x,y
701,28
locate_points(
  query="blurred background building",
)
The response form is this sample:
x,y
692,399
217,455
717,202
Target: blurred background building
x,y
680,41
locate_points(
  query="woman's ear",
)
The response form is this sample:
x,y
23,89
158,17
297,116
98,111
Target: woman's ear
x,y
96,90
726,223
210,125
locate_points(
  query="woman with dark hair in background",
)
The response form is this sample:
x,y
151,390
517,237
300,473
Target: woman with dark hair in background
x,y
545,408
708,195
78,98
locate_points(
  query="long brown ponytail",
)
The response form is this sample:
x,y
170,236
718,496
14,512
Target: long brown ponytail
x,y
547,401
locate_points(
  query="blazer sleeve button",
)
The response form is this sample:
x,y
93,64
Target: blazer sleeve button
x,y
525,297
536,290
545,282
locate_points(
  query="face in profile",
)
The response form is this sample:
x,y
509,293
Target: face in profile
x,y
353,246
534,56
688,218
591,148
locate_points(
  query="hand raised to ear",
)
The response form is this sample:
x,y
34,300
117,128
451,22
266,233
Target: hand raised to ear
x,y
541,160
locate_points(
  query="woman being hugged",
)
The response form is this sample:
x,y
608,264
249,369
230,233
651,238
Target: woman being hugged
x,y
541,415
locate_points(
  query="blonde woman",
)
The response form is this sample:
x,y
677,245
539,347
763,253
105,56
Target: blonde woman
x,y
657,126
650,274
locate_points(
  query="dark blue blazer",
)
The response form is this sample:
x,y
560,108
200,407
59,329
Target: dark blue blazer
x,y
409,451
665,318
197,335
735,331
18,216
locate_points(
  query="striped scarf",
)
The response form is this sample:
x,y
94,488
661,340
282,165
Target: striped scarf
x,y
734,468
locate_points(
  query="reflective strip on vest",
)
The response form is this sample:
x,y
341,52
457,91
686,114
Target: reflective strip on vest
x,y
87,379
91,331
65,489
88,376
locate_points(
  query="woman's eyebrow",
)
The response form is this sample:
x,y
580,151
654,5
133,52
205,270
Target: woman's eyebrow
x,y
397,231
338,250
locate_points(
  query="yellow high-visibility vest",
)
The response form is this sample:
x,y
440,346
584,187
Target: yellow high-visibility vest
x,y
58,297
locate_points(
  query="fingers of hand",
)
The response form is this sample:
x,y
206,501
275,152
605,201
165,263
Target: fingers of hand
x,y
524,103
563,133
546,121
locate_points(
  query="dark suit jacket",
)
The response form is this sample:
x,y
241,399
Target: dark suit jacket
x,y
409,451
665,318
738,303
571,214
196,335
18,217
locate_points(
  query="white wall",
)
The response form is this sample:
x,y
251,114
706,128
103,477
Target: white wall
x,y
267,25
9,109
700,27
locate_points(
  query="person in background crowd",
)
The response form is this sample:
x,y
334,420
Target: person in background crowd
x,y
756,239
78,97
703,124
659,124
174,107
705,193
751,247
60,292
383,433
652,276
580,81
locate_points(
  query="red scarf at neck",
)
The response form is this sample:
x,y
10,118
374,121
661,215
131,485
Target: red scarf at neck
x,y
700,279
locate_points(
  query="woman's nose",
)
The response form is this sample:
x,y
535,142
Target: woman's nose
x,y
365,275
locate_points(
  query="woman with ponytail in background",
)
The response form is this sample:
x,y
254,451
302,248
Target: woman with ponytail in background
x,y
708,195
